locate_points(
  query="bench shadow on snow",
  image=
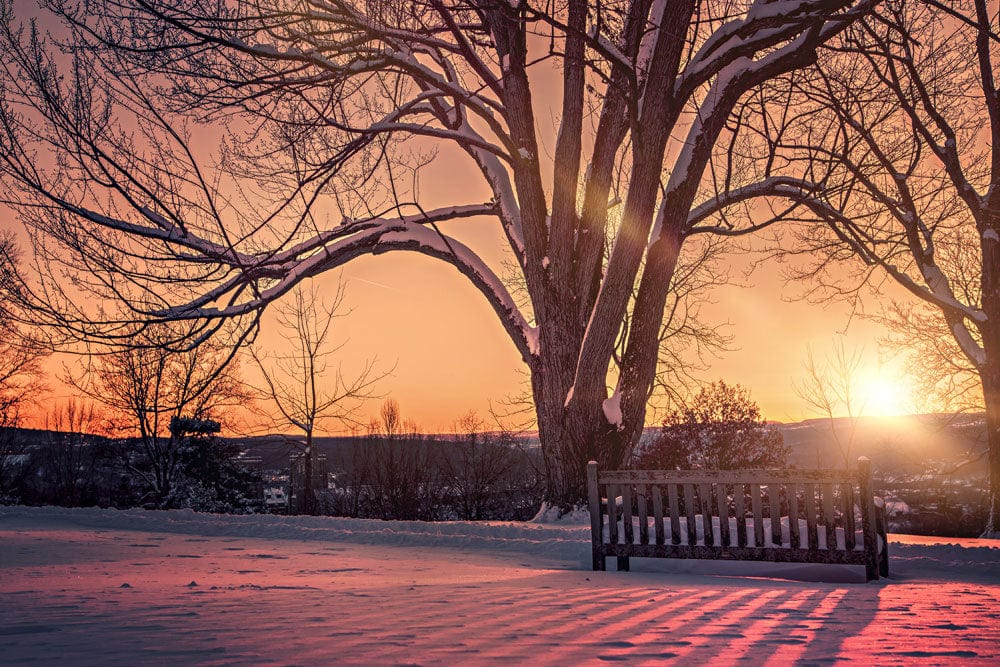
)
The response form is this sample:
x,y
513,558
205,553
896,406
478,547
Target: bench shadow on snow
x,y
759,611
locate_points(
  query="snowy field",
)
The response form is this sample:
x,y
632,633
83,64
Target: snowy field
x,y
103,587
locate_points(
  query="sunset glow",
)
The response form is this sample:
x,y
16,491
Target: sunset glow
x,y
492,332
885,396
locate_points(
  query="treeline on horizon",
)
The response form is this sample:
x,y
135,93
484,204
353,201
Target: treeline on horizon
x,y
395,472
399,474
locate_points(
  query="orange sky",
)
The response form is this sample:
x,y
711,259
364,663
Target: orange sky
x,y
451,355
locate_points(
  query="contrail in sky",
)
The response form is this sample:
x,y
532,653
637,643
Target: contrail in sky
x,y
372,282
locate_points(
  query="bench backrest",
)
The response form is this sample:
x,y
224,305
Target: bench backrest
x,y
746,513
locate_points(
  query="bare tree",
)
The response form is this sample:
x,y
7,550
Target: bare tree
x,y
20,373
72,455
476,468
151,388
20,377
21,355
332,94
20,385
893,139
306,391
831,387
402,473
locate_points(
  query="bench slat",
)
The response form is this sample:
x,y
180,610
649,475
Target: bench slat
x,y
596,516
739,497
794,536
847,491
809,500
627,531
723,498
612,513
658,513
689,510
675,515
828,516
758,515
705,500
643,515
774,504
724,476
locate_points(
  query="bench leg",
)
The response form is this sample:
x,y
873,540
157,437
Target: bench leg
x,y
883,540
623,563
600,562
883,559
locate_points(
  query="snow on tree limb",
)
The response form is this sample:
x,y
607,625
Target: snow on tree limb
x,y
499,180
765,25
770,186
374,237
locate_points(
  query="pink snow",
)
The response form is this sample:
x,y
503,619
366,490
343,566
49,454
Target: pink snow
x,y
105,587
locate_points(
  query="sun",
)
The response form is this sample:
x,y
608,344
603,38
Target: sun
x,y
885,397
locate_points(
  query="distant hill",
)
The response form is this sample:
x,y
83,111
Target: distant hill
x,y
33,437
896,445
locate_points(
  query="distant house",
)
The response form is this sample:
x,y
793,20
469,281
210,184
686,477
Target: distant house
x,y
275,500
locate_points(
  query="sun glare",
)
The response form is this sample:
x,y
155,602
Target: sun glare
x,y
885,397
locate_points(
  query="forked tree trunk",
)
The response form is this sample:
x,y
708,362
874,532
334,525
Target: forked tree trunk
x,y
575,424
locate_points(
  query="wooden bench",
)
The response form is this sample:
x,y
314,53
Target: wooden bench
x,y
738,515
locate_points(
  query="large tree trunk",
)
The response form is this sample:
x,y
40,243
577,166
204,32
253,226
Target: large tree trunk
x,y
991,392
569,440
577,422
572,426
990,369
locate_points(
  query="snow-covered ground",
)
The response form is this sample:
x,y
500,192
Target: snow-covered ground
x,y
106,587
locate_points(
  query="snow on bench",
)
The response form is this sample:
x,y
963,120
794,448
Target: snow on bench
x,y
802,516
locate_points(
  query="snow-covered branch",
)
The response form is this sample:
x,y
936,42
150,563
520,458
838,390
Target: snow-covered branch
x,y
785,186
764,26
280,272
